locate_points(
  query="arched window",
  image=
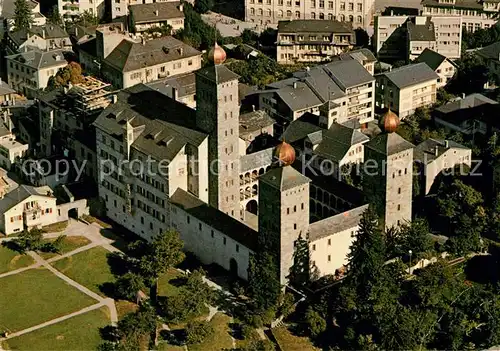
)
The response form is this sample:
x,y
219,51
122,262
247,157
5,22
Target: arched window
x,y
342,18
260,12
359,19
322,16
289,13
280,14
252,11
330,17
297,14
313,15
351,18
268,12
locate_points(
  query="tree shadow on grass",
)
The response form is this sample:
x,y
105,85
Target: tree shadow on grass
x,y
13,245
178,282
118,263
109,333
108,289
174,337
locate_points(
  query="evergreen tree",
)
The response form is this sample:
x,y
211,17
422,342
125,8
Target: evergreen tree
x,y
54,16
301,268
263,281
22,15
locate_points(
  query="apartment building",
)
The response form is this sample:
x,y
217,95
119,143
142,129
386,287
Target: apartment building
x,y
491,56
49,37
312,40
407,88
120,8
145,16
11,150
364,56
340,91
443,66
406,37
8,12
30,71
358,12
70,10
474,14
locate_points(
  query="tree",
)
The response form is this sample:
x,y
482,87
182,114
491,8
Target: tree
x,y
161,31
413,236
196,332
263,281
362,37
72,73
128,285
203,6
135,329
28,240
22,15
164,253
54,16
471,76
260,345
196,32
87,19
315,323
300,270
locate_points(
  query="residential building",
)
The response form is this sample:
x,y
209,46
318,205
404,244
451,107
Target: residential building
x,y
11,150
181,88
145,16
491,56
312,40
9,9
358,12
442,34
434,156
44,38
389,184
364,56
7,94
30,71
474,113
120,8
407,88
72,10
254,124
340,91
27,207
442,65
326,150
475,14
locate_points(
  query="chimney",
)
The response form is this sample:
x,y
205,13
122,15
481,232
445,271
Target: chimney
x,y
180,51
295,85
253,108
174,93
392,12
463,95
156,12
76,31
114,98
436,151
181,7
143,41
43,33
446,144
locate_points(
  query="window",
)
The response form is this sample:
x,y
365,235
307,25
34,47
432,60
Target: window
x,y
295,226
359,19
329,258
399,207
288,210
224,241
297,14
351,6
321,4
313,3
199,226
351,18
237,248
289,13
329,242
212,233
342,6
280,14
321,16
360,7
188,219
330,17
142,220
252,11
330,5
260,12
313,15
302,206
314,247
294,208
268,12
399,190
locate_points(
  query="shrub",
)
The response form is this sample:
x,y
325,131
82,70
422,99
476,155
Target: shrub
x,y
196,332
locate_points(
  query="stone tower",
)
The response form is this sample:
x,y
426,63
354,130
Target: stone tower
x,y
388,173
217,114
283,213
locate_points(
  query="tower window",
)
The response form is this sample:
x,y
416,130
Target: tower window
x,y
294,208
393,175
225,115
212,233
295,226
188,219
329,258
399,190
399,172
302,206
399,207
288,210
224,241
314,247
406,170
199,226
329,241
237,248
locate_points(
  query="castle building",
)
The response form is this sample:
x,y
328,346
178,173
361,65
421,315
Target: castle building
x,y
388,173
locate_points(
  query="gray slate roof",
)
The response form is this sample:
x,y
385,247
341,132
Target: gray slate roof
x,y
431,58
360,55
254,121
200,210
40,59
389,144
146,13
421,32
259,159
428,148
51,31
284,178
131,56
217,73
168,125
491,51
472,100
9,7
459,4
5,88
17,195
336,224
337,140
409,75
314,26
185,85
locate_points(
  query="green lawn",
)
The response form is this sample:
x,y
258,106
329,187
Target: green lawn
x,y
89,268
11,260
290,342
163,346
244,343
69,244
36,296
77,333
165,288
220,339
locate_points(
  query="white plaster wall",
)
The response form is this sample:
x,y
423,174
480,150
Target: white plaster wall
x,y
207,248
449,159
330,253
41,220
446,71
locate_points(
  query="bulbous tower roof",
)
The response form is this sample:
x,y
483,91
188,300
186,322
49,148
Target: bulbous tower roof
x,y
285,153
217,55
390,121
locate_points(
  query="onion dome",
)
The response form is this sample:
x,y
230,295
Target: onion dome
x,y
217,55
390,121
285,153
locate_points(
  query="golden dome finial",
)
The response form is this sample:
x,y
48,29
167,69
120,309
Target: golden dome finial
x,y
217,55
390,121
285,153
